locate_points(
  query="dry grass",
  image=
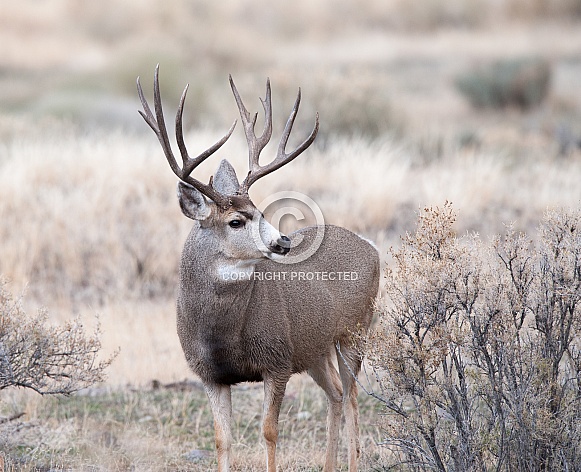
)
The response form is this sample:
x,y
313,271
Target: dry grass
x,y
88,218
169,429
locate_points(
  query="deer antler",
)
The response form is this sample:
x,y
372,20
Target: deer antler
x,y
257,144
157,124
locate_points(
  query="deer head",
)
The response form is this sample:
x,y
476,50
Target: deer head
x,y
223,205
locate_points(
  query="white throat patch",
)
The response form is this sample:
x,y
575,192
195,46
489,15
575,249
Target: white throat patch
x,y
238,271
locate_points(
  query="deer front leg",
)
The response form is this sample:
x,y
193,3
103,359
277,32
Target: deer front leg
x,y
221,405
273,394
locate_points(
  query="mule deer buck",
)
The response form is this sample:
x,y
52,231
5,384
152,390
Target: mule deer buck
x,y
248,329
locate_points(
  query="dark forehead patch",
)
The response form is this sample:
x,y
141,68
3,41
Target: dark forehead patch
x,y
240,204
246,214
240,200
243,205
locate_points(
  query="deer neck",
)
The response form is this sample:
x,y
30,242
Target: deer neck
x,y
219,282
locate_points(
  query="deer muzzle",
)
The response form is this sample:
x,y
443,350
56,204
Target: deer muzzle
x,y
283,245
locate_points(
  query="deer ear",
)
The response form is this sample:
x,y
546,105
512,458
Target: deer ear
x,y
192,202
225,179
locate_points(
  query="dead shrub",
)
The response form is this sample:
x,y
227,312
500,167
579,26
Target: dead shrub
x,y
46,359
478,350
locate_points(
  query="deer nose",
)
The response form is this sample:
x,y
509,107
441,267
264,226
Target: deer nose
x,y
283,245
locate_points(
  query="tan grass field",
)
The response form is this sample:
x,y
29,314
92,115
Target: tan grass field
x,y
89,223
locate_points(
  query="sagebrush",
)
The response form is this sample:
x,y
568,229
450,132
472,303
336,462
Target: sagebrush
x,y
478,350
44,358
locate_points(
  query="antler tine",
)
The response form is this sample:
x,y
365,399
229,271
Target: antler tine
x,y
282,157
190,164
255,144
157,124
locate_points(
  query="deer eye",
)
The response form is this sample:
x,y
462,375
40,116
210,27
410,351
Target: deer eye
x,y
235,224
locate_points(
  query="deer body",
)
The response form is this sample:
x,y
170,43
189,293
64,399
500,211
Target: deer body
x,y
243,330
245,311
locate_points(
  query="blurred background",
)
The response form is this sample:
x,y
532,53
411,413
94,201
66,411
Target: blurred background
x,y
371,68
475,102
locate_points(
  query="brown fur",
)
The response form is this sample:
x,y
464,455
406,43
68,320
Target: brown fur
x,y
269,329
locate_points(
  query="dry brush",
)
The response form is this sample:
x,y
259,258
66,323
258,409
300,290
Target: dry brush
x,y
477,353
44,358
